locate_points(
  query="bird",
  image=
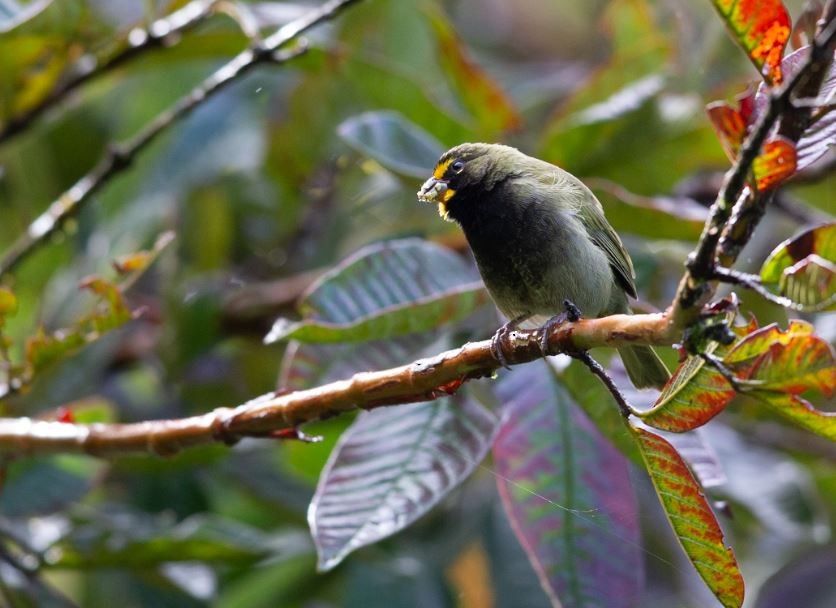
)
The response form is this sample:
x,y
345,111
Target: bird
x,y
541,242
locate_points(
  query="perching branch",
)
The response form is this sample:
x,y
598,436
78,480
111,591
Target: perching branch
x,y
422,380
139,40
119,156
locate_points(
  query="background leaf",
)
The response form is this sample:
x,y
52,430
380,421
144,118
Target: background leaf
x,y
478,91
691,518
393,141
47,485
120,539
568,495
390,467
386,290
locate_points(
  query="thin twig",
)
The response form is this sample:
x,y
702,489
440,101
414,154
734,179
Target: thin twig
x,y
753,282
139,40
694,289
119,156
597,369
717,363
793,123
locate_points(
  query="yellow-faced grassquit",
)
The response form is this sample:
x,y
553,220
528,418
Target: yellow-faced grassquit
x,y
540,240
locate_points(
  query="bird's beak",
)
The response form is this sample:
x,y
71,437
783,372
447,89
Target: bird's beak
x,y
438,192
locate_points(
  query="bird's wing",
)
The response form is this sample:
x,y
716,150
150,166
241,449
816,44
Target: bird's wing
x,y
563,184
603,235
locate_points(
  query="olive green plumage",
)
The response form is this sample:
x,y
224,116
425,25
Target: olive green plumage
x,y
539,237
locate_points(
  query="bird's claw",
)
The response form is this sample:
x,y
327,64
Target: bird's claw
x,y
500,335
571,314
496,345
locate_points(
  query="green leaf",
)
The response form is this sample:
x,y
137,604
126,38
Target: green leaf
x,y
658,217
555,470
692,520
803,268
395,142
761,28
694,395
134,540
782,365
46,485
600,406
384,290
479,92
772,365
392,466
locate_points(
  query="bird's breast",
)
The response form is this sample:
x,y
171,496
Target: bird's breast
x,y
533,257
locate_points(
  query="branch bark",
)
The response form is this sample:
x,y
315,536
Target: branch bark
x,y
118,157
421,380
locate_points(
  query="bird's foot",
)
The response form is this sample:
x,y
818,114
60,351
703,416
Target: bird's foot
x,y
500,335
571,314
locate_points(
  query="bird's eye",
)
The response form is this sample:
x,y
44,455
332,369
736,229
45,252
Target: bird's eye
x,y
457,166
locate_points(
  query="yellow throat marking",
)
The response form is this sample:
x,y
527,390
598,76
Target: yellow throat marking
x,y
442,203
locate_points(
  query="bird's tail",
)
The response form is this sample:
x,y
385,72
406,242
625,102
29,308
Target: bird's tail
x,y
644,366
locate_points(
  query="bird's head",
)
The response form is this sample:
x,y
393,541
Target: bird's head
x,y
464,172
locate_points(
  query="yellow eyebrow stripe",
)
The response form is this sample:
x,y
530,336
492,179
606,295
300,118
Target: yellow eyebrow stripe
x,y
441,168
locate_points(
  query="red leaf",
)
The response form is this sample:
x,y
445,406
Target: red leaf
x,y
730,123
762,28
782,365
776,162
817,139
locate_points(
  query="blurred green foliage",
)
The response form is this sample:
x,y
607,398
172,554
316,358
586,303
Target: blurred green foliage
x,y
267,181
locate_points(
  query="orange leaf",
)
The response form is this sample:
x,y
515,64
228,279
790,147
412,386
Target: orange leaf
x,y
730,123
781,365
133,262
479,92
761,28
776,162
693,396
691,518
